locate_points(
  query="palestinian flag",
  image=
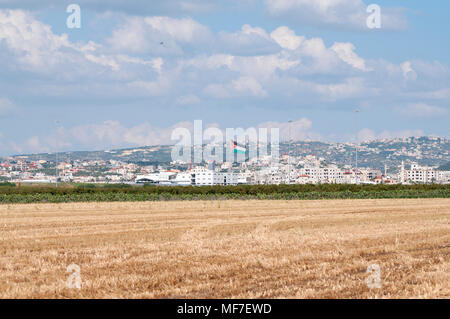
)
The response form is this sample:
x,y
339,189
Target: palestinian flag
x,y
235,148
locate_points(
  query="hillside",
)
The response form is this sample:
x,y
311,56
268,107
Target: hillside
x,y
390,152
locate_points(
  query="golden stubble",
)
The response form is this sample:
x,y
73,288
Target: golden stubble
x,y
227,249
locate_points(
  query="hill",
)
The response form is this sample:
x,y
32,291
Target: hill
x,y
432,151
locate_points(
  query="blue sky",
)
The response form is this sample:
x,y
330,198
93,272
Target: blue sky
x,y
250,63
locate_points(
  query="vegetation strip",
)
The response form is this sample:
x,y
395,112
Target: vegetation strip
x,y
86,193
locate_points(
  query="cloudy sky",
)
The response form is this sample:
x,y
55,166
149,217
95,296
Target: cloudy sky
x,y
135,70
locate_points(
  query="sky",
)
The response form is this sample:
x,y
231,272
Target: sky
x,y
136,70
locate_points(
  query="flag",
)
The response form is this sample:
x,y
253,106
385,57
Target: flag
x,y
236,148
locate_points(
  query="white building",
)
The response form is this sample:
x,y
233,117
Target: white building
x,y
183,178
162,177
423,174
202,176
316,174
199,176
245,178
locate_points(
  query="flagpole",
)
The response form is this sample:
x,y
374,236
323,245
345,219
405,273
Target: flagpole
x,y
289,153
356,145
56,155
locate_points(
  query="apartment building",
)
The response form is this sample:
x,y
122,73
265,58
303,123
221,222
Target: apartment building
x,y
202,176
423,174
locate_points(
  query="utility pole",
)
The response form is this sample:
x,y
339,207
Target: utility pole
x,y
289,152
356,145
56,155
56,169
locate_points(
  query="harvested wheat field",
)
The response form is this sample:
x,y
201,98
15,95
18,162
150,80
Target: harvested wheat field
x,y
228,249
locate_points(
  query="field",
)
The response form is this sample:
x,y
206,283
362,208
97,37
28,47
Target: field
x,y
235,248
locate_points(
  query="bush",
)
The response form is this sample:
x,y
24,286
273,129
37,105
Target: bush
x,y
7,184
117,186
86,186
125,192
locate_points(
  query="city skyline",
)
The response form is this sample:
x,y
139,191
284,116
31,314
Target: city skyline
x,y
132,73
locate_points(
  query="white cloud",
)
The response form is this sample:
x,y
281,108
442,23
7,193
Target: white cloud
x,y
157,35
351,87
33,42
345,14
345,51
113,134
33,144
136,7
440,94
311,55
176,37
263,67
188,70
421,110
242,86
142,66
108,134
248,84
247,41
156,63
34,47
104,61
407,71
183,30
287,38
159,87
369,135
188,99
212,62
297,130
366,135
402,133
